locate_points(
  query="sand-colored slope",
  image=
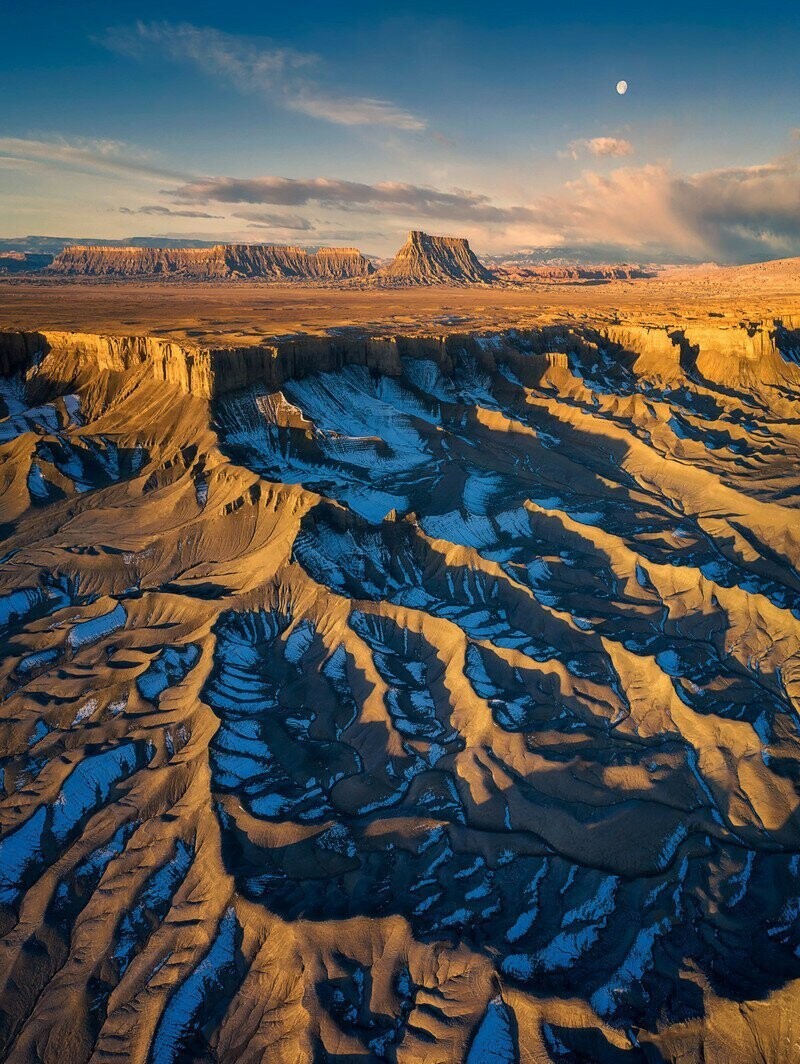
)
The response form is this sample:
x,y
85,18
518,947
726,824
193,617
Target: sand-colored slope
x,y
224,261
405,698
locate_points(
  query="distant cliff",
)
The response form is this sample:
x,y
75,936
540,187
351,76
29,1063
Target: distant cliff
x,y
546,274
23,262
732,356
425,259
422,260
267,261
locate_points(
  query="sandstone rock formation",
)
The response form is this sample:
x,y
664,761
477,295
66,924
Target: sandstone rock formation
x,y
265,261
422,260
23,262
410,699
425,259
570,274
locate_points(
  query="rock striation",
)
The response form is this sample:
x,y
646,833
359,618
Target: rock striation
x,y
407,699
23,262
516,274
760,354
224,261
425,259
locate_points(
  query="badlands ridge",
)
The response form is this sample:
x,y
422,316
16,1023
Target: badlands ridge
x,y
221,262
410,697
423,260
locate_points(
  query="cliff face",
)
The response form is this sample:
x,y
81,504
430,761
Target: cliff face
x,y
138,262
422,260
269,261
766,353
205,373
23,262
570,274
425,259
446,711
284,261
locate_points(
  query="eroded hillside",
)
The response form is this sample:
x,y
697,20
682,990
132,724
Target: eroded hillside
x,y
222,262
425,259
410,699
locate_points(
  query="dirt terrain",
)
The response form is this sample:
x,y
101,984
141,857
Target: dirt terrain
x,y
248,312
424,689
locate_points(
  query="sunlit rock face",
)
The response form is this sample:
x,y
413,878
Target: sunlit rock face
x,y
411,699
425,259
264,261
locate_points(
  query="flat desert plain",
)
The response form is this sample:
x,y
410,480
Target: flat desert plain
x,y
249,312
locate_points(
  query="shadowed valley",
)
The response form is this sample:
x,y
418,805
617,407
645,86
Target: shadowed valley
x,y
401,697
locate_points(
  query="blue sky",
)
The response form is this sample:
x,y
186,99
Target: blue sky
x,y
320,123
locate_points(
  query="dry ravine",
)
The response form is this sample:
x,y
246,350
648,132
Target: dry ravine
x,y
417,698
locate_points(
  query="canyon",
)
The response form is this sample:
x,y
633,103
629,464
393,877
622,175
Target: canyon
x,y
416,690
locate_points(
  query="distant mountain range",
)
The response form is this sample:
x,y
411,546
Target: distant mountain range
x,y
423,259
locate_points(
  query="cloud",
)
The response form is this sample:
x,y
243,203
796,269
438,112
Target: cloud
x,y
601,146
279,74
160,211
744,210
732,214
392,197
107,157
265,220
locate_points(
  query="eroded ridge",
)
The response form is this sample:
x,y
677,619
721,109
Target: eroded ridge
x,y
418,700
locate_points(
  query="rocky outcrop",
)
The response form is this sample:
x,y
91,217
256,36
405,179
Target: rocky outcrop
x,y
515,274
746,355
763,353
425,259
224,261
23,262
202,372
438,706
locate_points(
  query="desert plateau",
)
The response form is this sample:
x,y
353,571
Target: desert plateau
x,y
389,692
400,534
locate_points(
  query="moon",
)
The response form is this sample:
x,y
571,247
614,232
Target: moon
x,y
622,87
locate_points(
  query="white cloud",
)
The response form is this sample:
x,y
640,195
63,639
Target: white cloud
x,y
731,214
91,156
279,74
160,211
610,147
614,147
